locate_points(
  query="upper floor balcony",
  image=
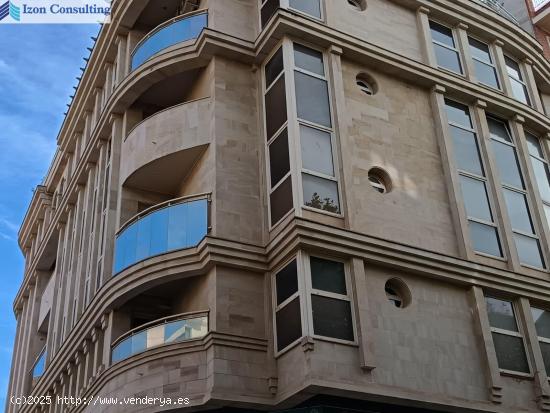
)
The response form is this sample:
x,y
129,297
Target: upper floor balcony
x,y
173,32
498,6
172,225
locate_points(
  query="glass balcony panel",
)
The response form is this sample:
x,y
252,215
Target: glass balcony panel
x,y
174,227
139,342
122,350
179,31
155,336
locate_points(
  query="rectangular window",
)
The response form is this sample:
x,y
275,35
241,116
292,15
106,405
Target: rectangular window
x,y
268,9
445,49
310,7
507,337
483,230
541,170
542,325
485,69
319,180
288,318
330,301
519,89
515,194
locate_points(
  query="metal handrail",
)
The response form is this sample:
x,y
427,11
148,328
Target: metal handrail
x,y
498,7
165,204
165,24
160,321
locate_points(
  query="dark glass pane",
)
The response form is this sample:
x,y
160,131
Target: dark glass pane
x,y
501,314
286,282
311,7
447,59
269,9
499,130
542,322
312,99
281,201
442,34
542,176
316,150
485,239
529,251
533,144
486,74
308,59
519,91
510,353
479,50
275,107
518,211
545,349
507,164
320,193
458,113
475,199
279,163
274,67
331,317
289,324
328,275
466,151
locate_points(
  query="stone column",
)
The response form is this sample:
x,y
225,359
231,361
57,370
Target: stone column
x,y
425,35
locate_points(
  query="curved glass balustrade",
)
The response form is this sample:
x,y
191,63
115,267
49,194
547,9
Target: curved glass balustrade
x,y
168,227
166,332
169,34
39,366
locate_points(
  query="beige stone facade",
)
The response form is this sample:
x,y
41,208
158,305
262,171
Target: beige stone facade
x,y
269,205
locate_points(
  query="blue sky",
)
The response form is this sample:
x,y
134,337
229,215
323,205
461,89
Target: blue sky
x,y
38,67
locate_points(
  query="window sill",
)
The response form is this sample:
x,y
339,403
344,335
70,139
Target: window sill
x,y
322,211
516,374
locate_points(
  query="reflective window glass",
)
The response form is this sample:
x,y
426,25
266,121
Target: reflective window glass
x,y
507,164
274,67
448,59
542,176
308,59
528,250
312,99
275,107
279,162
542,322
288,323
475,198
485,239
286,281
311,7
510,353
281,200
486,74
316,150
499,130
320,193
545,349
479,50
501,314
328,275
518,211
269,9
533,144
466,151
519,91
331,317
442,34
458,113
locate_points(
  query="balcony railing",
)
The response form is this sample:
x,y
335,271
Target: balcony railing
x,y
39,365
177,30
173,225
498,6
173,329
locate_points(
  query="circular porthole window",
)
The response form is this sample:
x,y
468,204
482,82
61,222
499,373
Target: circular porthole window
x,y
397,293
358,5
366,84
380,180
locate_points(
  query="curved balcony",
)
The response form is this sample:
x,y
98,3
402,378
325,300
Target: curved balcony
x,y
498,6
173,329
173,225
177,30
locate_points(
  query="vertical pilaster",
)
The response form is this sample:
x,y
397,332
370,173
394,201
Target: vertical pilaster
x,y
423,21
461,30
531,84
500,64
121,62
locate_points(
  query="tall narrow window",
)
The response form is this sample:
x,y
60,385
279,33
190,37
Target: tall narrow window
x,y
483,230
445,49
288,319
310,7
519,89
268,9
541,170
330,302
280,182
485,69
507,337
515,195
542,325
319,181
